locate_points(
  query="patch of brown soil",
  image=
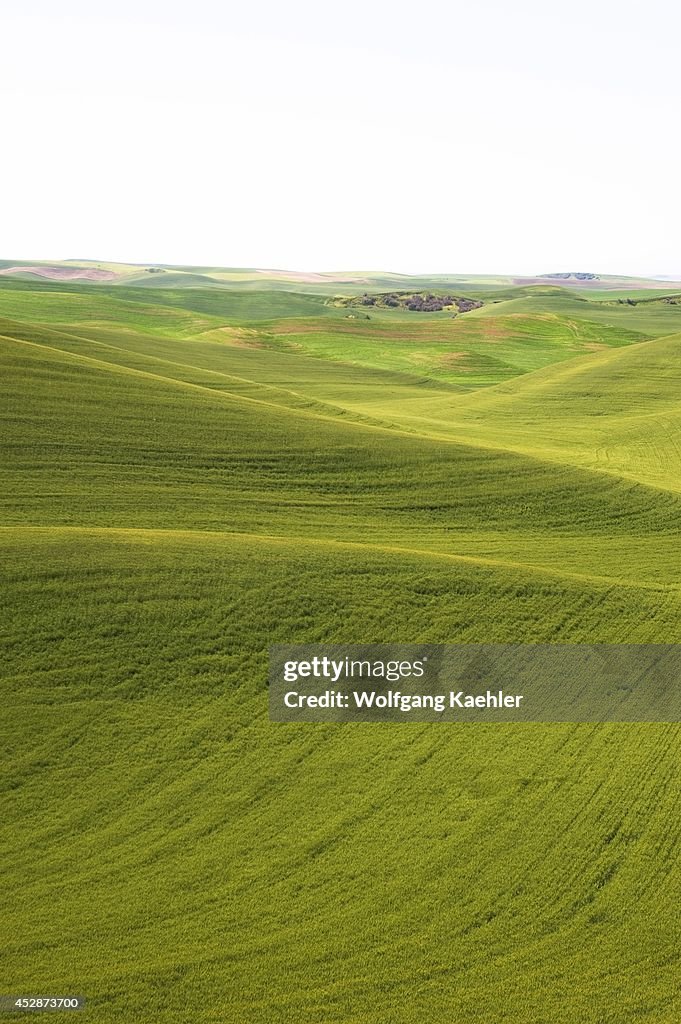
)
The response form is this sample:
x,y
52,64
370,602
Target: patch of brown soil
x,y
64,273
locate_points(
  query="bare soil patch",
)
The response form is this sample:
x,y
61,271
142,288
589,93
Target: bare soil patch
x,y
64,273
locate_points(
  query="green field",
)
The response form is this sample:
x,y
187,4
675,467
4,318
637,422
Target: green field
x,y
191,473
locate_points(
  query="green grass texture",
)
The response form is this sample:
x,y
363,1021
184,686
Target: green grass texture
x,y
192,474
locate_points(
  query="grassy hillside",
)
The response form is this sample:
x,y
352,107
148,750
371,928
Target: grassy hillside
x,y
649,317
617,412
461,350
186,480
149,307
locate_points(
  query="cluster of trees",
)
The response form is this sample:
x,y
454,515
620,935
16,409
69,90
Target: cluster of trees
x,y
420,302
429,303
577,277
671,300
465,304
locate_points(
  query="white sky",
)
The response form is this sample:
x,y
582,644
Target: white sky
x,y
480,136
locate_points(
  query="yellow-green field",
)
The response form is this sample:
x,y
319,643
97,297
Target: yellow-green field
x,y
190,475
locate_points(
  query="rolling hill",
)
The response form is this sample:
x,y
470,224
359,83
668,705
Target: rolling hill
x,y
191,474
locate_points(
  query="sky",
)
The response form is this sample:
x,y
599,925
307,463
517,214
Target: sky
x,y
460,137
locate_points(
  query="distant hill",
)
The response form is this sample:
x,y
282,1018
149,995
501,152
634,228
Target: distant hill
x,y
350,283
